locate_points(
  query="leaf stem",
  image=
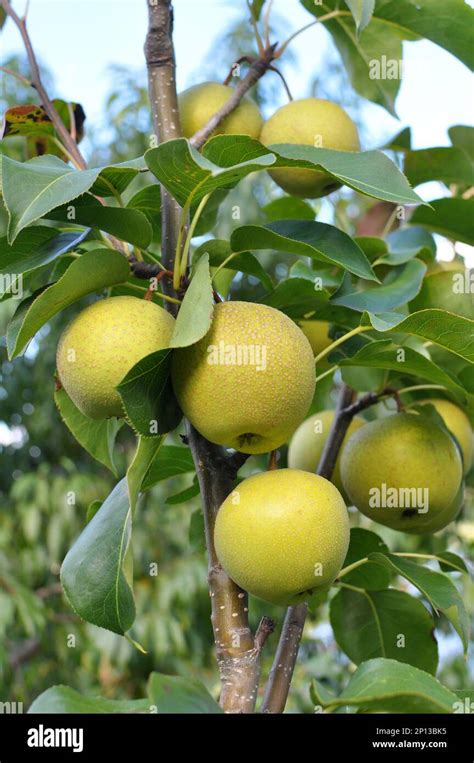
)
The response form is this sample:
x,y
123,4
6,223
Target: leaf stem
x,y
337,342
320,20
190,234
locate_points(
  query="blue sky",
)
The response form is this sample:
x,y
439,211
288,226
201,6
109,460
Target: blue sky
x,y
79,39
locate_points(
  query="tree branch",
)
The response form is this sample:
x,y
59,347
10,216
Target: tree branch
x,y
255,72
36,82
161,66
238,652
281,674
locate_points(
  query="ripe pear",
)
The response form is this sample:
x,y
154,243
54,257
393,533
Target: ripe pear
x,y
317,334
306,445
199,103
282,535
450,290
311,122
459,425
249,382
100,346
403,471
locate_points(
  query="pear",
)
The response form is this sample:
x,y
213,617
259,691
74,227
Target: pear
x,y
403,471
307,444
199,103
317,334
310,122
451,290
283,535
459,425
100,346
250,381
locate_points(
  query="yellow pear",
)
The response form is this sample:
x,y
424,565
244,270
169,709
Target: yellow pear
x,y
306,445
316,333
249,382
282,535
100,346
459,425
199,103
403,471
310,122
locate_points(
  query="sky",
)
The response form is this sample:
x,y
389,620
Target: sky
x,y
79,39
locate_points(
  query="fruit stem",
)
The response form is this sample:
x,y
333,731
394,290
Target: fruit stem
x,y
417,387
190,234
326,373
337,342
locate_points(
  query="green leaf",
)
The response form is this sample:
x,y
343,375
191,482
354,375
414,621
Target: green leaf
x,y
63,699
297,297
91,272
146,451
189,175
447,25
390,623
367,575
402,289
173,694
184,495
32,189
401,141
450,562
453,332
404,360
388,686
462,136
309,239
170,461
288,208
148,201
195,314
245,262
453,218
97,437
226,159
92,573
126,224
34,248
449,165
148,397
406,243
362,11
438,589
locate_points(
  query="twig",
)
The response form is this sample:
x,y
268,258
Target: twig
x,y
238,653
255,72
161,66
37,83
281,674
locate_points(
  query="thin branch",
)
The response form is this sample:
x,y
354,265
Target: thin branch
x,y
285,83
161,67
238,653
255,72
17,75
37,83
281,674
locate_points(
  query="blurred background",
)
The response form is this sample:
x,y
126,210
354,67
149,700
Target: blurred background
x,y
92,53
